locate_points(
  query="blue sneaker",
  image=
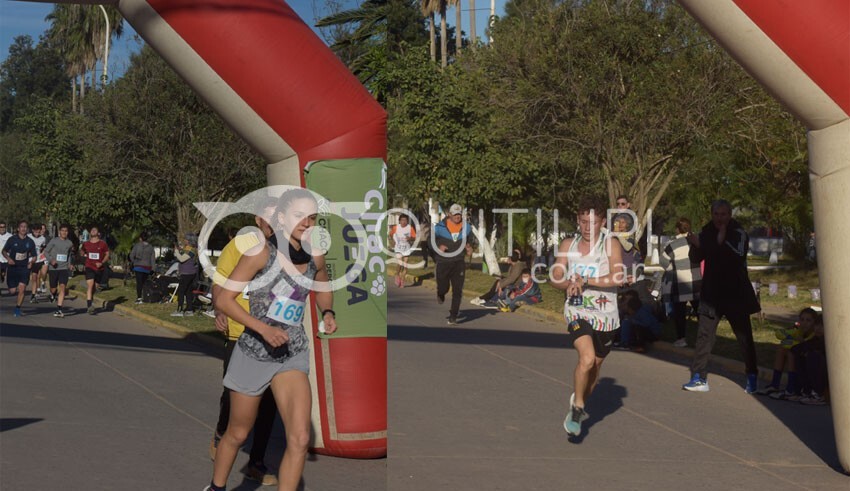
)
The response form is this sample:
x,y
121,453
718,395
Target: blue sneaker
x,y
696,384
752,383
18,312
572,423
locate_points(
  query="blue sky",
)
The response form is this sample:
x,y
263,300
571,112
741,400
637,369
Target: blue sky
x,y
17,18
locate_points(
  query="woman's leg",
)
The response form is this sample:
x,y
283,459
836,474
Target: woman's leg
x,y
292,393
141,279
243,412
183,286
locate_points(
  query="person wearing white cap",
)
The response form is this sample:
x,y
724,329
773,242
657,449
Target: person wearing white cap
x,y
451,235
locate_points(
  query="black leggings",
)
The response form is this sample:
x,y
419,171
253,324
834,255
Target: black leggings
x,y
184,291
141,279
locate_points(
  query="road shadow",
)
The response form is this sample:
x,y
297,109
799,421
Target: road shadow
x,y
606,399
187,344
812,425
7,424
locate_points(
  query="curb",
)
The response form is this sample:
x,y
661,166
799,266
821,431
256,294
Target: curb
x,y
188,334
726,364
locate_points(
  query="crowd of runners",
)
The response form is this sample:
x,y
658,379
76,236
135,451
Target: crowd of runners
x,y
30,259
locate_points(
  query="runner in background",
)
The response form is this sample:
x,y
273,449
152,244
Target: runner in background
x,y
58,258
19,252
96,253
40,241
403,234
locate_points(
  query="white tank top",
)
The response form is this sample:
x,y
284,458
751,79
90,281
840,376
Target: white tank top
x,y
599,305
401,237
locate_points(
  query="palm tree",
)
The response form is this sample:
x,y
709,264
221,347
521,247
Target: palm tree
x,y
66,31
429,8
444,44
371,20
472,34
458,40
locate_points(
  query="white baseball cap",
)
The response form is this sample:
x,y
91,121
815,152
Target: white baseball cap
x,y
456,209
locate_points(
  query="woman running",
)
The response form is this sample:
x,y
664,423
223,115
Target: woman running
x,y
403,235
274,349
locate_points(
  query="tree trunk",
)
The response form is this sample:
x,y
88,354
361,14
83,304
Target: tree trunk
x,y
82,91
94,76
458,30
472,33
444,44
74,94
433,34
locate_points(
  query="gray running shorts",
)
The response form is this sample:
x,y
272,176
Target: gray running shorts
x,y
252,377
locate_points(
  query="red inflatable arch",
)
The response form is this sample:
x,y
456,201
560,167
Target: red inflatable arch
x,y
281,89
800,52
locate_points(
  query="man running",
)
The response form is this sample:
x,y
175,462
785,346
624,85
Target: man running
x,y
58,257
450,235
590,268
19,252
4,265
227,261
40,242
96,253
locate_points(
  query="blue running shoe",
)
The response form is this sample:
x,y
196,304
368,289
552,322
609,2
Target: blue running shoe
x,y
752,383
696,384
18,312
572,424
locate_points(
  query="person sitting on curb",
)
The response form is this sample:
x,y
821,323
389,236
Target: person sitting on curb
x,y
490,298
784,360
527,292
639,325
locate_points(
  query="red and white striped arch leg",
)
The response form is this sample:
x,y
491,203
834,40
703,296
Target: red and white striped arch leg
x,y
281,89
800,51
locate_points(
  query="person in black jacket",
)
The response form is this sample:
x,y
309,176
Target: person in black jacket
x,y
726,291
452,239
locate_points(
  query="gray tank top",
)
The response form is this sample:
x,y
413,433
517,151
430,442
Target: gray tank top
x,y
281,303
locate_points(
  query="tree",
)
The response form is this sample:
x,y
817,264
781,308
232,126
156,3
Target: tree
x,y
617,93
27,73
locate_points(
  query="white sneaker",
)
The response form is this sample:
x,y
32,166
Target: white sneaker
x,y
680,343
476,301
177,313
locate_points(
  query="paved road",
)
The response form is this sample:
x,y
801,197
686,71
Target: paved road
x,y
108,403
480,407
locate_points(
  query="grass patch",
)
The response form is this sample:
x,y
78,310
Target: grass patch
x,y
121,294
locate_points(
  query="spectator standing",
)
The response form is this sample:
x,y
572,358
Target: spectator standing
x,y
682,278
143,259
187,256
726,292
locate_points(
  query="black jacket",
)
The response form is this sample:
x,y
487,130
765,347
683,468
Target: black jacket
x,y
726,284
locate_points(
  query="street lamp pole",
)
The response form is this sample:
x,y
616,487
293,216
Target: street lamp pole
x,y
105,76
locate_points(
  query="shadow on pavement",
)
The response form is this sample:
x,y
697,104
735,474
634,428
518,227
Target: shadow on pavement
x,y
462,335
601,406
7,424
187,344
812,425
